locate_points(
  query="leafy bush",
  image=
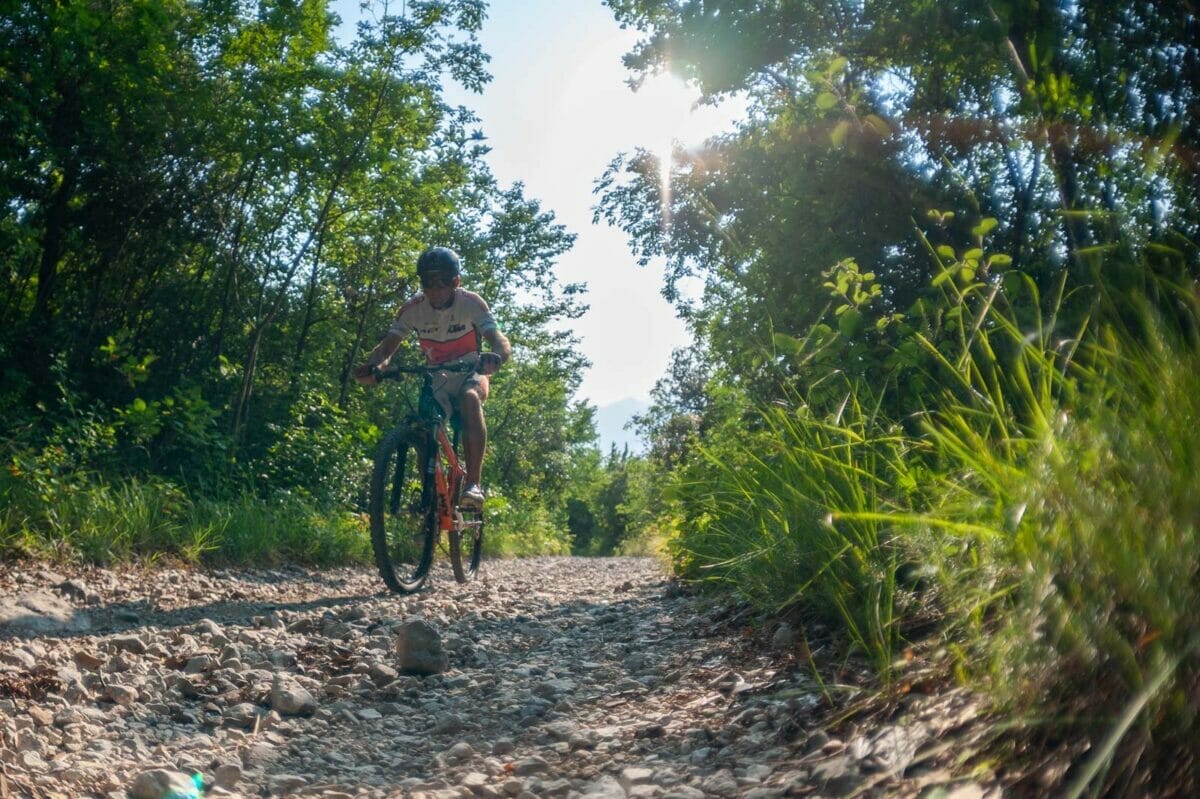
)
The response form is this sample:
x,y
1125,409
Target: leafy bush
x,y
519,526
319,454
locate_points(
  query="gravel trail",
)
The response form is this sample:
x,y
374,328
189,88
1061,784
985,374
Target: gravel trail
x,y
547,677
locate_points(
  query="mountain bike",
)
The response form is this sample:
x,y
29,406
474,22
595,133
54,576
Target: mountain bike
x,y
415,489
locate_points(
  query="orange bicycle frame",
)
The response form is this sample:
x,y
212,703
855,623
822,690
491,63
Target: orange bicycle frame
x,y
447,480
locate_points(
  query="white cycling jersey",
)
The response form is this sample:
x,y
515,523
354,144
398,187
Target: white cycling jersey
x,y
446,334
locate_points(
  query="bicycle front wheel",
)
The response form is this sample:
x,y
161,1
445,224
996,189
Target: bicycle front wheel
x,y
466,544
403,512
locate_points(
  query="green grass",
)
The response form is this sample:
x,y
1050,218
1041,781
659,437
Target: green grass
x,y
104,522
763,521
1093,544
1053,496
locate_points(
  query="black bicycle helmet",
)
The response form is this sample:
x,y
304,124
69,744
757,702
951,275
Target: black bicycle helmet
x,y
439,261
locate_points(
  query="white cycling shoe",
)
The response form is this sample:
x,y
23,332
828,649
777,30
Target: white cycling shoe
x,y
472,497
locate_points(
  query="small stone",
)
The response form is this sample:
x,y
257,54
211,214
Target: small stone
x,y
291,699
606,787
529,766
227,775
243,714
284,784
19,658
723,783
160,784
198,665
643,791
785,638
475,779
41,716
74,589
88,660
763,793
382,674
460,752
121,695
684,792
129,643
31,762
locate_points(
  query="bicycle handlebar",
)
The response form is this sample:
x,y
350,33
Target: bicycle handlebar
x,y
396,372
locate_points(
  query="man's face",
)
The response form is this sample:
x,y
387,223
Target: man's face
x,y
439,289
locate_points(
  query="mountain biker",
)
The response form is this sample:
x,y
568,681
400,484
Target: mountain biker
x,y
449,322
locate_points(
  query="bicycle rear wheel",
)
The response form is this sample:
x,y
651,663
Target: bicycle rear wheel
x,y
466,544
403,513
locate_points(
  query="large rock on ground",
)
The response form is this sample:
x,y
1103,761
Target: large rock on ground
x,y
39,613
419,648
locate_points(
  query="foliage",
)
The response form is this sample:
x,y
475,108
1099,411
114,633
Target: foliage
x,y
944,246
867,118
611,503
209,211
517,528
104,522
795,512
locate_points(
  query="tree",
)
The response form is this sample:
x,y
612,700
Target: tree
x,y
869,121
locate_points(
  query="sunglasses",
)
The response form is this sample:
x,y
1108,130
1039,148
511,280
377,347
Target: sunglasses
x,y
437,283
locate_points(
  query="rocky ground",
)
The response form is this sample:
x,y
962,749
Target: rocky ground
x,y
548,677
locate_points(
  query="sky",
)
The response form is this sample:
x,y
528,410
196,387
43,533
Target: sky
x,y
557,111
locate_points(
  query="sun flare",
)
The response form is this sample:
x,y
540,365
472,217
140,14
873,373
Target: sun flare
x,y
668,119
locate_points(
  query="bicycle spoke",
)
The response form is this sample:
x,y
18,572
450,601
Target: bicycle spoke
x,y
402,538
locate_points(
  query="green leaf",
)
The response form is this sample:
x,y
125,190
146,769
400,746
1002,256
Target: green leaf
x,y
826,100
973,254
1012,283
838,64
1000,259
985,226
850,323
788,344
946,251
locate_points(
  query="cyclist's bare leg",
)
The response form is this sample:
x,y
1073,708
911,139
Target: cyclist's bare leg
x,y
470,409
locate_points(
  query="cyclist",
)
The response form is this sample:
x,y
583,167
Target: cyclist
x,y
449,322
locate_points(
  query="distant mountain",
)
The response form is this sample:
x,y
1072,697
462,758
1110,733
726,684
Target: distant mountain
x,y
611,418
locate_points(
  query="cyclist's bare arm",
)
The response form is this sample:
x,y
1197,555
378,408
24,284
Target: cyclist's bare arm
x,y
500,346
379,357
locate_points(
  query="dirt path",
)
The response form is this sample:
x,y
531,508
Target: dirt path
x,y
562,677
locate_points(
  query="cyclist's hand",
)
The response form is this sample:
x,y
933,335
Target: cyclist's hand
x,y
489,363
367,374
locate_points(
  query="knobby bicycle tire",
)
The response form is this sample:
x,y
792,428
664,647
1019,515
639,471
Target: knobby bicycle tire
x,y
403,511
466,545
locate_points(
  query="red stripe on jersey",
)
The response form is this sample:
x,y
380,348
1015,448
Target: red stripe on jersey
x,y
443,351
